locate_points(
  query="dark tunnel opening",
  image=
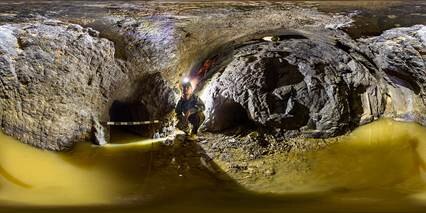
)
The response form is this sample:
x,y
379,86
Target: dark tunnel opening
x,y
149,101
230,117
131,112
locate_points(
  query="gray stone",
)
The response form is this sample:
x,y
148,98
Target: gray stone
x,y
53,79
321,88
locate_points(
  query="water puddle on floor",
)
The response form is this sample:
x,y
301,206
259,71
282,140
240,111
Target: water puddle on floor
x,y
378,167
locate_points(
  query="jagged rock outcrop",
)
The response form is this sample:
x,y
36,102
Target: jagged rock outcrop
x,y
400,56
319,88
55,79
316,85
59,80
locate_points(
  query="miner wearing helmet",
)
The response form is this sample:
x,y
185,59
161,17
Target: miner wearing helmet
x,y
189,110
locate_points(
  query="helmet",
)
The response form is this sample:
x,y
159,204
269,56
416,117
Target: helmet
x,y
186,82
186,85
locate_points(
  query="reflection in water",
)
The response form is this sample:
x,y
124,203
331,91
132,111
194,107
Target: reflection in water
x,y
12,179
129,171
378,167
381,154
39,177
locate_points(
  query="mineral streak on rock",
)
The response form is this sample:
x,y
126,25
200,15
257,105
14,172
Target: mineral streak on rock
x,y
59,79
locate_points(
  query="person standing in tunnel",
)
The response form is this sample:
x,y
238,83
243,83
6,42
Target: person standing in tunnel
x,y
189,110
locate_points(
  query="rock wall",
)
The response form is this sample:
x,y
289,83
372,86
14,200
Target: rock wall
x,y
59,80
56,79
321,87
400,55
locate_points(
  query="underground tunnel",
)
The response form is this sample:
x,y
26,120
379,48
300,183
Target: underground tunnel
x,y
301,112
152,99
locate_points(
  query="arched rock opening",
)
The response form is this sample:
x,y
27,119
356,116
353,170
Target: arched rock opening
x,y
151,98
226,97
227,115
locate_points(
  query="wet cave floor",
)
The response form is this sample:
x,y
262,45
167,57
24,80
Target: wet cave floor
x,y
377,167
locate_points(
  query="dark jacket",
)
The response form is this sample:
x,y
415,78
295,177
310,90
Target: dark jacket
x,y
193,105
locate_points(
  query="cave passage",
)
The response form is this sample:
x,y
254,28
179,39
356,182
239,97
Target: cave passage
x,y
131,112
230,116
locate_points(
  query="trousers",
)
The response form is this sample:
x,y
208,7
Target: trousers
x,y
195,120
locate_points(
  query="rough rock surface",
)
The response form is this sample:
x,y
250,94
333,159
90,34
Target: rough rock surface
x,y
55,79
59,80
400,55
322,88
